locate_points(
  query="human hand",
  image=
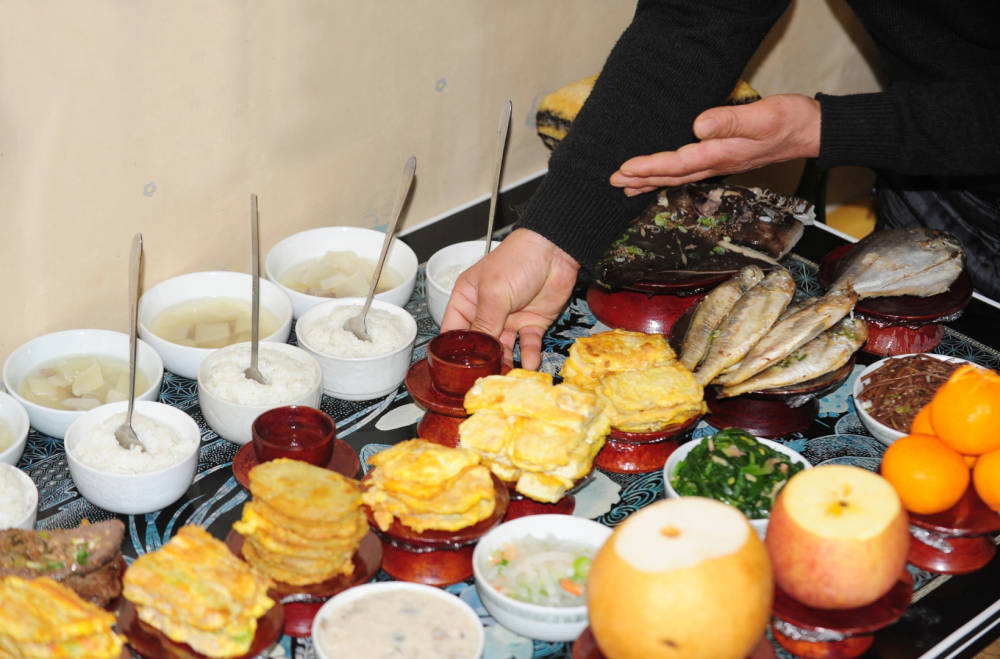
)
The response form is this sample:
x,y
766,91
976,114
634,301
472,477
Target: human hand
x,y
733,139
518,289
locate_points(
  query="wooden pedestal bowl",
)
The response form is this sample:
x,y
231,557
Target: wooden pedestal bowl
x,y
643,452
649,307
956,541
344,460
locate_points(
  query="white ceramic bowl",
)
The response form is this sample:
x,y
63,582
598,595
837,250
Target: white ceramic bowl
x,y
15,417
367,243
233,421
26,488
134,494
457,254
545,623
359,378
185,360
463,613
883,433
72,343
760,524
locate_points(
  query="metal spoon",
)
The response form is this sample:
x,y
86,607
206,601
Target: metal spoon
x,y
495,192
253,372
124,433
356,325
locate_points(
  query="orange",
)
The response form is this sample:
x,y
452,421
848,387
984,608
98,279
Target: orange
x,y
965,411
928,475
922,422
986,479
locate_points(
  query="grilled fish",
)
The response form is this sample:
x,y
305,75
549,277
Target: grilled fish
x,y
749,320
712,309
913,261
791,333
824,354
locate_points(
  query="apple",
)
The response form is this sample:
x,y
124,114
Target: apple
x,y
838,537
683,577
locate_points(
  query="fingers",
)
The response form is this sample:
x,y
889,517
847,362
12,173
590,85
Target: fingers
x,y
531,346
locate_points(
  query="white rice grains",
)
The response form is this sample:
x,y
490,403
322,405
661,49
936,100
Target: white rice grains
x,y
164,446
288,378
328,335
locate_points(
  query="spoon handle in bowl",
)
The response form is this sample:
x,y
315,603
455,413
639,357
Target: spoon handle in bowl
x,y
255,281
135,261
502,129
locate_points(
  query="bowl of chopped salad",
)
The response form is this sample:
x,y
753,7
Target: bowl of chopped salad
x,y
735,467
531,574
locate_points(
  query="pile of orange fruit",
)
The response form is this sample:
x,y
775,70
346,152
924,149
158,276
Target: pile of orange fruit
x,y
954,439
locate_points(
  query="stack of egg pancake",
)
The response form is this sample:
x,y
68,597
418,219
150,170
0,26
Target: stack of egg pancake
x,y
304,523
43,618
195,591
539,436
427,486
637,376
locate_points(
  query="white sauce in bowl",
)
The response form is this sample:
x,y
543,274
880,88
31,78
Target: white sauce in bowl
x,y
328,335
100,450
397,624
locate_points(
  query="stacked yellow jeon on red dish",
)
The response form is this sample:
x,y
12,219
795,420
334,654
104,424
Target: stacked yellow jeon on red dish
x,y
540,436
303,524
427,486
195,591
637,376
42,618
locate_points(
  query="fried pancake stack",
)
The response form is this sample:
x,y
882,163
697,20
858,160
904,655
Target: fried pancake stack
x,y
304,523
43,618
540,436
429,486
195,591
637,376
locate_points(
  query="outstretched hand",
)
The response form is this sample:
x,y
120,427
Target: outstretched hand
x,y
733,139
517,290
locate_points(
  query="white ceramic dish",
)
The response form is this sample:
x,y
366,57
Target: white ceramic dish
x,y
185,360
760,524
457,254
314,243
28,489
546,623
463,613
70,343
880,431
359,378
15,417
134,494
233,421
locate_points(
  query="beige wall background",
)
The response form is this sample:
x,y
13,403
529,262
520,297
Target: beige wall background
x,y
119,116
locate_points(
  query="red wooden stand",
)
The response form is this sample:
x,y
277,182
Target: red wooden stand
x,y
642,452
585,647
956,541
344,461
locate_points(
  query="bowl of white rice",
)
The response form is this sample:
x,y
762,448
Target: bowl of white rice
x,y
231,401
443,269
133,481
18,499
14,427
354,369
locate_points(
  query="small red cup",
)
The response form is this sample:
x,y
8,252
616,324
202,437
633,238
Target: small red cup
x,y
294,431
460,357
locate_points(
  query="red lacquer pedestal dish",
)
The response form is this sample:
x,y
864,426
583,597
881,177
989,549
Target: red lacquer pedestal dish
x,y
956,541
585,647
151,642
649,307
643,452
344,461
522,506
903,324
444,413
836,633
302,602
436,558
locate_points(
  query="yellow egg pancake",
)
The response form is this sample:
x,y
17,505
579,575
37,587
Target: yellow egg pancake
x,y
420,468
299,489
651,398
592,357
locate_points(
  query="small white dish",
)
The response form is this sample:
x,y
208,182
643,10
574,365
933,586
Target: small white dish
x,y
883,433
185,360
315,243
461,613
442,265
139,493
15,418
72,343
759,524
25,496
233,421
359,378
545,623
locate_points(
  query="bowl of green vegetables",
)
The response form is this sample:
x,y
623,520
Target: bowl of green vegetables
x,y
736,468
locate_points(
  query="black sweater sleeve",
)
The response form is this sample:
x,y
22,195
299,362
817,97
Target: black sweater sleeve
x,y
676,59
